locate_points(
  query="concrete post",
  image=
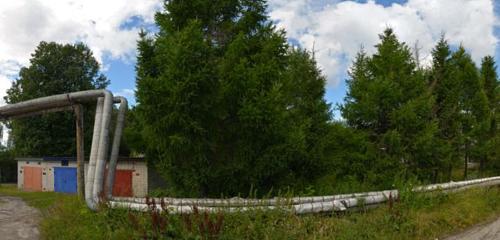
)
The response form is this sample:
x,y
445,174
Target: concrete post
x,y
80,154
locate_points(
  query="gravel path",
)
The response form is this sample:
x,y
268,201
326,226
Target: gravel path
x,y
490,231
17,220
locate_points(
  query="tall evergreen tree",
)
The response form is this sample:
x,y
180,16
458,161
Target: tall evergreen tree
x,y
491,87
446,90
388,97
474,108
226,104
54,69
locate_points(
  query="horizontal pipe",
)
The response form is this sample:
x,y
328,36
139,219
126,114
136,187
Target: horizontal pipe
x,y
50,102
240,202
329,204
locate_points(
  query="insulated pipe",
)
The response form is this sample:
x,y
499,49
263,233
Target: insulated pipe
x,y
103,146
371,198
240,202
99,147
55,101
89,183
120,121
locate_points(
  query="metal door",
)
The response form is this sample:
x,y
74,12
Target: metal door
x,y
65,179
123,183
32,178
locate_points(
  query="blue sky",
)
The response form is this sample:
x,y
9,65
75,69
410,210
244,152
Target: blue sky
x,y
335,28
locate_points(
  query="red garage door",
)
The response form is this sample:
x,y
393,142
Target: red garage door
x,y
123,183
32,178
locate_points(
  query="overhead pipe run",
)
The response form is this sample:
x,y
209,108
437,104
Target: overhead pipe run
x,y
100,140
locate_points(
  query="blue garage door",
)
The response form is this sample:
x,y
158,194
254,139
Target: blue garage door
x,y
65,179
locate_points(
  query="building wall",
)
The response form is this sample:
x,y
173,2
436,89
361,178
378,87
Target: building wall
x,y
139,175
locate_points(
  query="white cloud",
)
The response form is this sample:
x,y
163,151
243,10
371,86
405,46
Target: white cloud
x,y
99,24
128,93
338,29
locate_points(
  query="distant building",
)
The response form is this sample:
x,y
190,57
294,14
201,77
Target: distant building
x,y
49,174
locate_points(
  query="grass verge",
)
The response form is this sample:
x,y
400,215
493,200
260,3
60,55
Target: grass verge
x,y
412,217
40,200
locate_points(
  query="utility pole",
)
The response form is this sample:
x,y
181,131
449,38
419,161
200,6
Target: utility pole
x,y
80,158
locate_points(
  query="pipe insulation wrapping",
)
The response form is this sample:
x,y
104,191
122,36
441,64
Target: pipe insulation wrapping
x,y
120,121
89,182
100,141
297,205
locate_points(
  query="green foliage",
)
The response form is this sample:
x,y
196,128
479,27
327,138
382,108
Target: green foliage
x,y
388,99
54,69
446,89
8,166
226,104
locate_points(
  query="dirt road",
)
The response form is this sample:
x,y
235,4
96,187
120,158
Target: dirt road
x,y
490,231
17,220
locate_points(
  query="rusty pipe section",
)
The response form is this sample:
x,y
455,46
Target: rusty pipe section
x,y
100,141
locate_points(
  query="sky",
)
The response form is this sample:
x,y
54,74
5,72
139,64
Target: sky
x,y
334,29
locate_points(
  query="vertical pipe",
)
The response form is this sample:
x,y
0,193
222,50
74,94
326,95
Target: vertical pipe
x,y
103,146
80,154
93,155
116,145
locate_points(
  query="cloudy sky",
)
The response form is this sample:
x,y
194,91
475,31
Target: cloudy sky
x,y
335,29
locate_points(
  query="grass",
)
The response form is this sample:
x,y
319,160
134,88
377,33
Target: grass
x,y
413,216
40,200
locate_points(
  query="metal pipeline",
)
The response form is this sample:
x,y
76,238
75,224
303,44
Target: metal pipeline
x,y
337,203
89,181
102,152
100,141
120,121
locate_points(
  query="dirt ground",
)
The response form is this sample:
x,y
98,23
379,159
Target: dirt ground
x,y
17,220
490,231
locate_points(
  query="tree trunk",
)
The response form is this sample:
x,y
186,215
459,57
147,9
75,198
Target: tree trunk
x,y
466,158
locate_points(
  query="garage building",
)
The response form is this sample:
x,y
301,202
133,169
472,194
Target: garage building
x,y
59,174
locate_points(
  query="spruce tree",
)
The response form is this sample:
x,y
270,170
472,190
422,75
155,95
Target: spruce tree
x,y
491,87
227,105
474,110
446,90
388,97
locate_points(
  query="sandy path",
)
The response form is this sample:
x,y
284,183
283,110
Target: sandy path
x,y
488,231
17,220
